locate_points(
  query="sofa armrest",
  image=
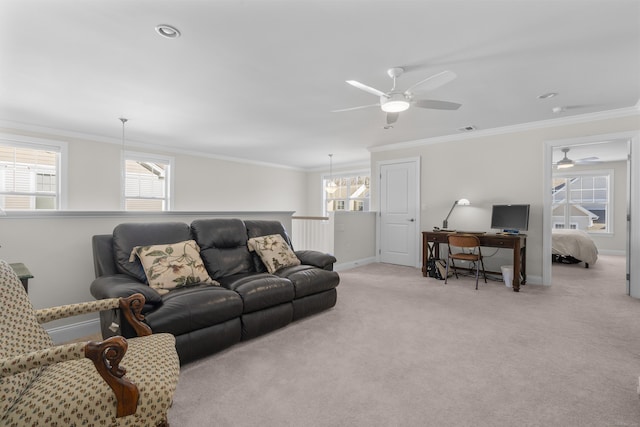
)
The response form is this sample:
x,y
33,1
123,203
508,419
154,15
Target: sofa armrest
x,y
123,286
316,258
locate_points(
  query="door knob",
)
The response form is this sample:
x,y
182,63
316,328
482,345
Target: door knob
x,y
411,220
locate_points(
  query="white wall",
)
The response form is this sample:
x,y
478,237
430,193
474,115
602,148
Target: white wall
x,y
355,238
200,182
505,167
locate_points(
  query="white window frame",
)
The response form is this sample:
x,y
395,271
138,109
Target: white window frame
x,y
61,147
325,179
137,156
610,193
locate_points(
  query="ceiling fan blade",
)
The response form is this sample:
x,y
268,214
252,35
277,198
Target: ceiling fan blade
x,y
355,108
436,105
392,118
588,161
434,81
366,88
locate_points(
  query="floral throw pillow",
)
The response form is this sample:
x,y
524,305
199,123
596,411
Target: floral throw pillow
x,y
172,266
274,252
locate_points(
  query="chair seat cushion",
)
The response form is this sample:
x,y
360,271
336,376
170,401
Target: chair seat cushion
x,y
185,310
259,290
309,280
71,393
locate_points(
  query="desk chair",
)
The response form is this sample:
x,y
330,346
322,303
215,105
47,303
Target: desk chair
x,y
469,242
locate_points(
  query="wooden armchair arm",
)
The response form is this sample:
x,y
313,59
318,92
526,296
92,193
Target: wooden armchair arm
x,y
131,309
106,356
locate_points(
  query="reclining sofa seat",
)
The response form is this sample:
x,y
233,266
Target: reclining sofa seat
x,y
314,288
203,318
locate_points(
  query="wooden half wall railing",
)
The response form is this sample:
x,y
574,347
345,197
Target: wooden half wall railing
x,y
313,233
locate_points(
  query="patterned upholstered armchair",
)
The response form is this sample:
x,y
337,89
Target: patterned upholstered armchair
x,y
81,383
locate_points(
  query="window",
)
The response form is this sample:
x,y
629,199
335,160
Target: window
x,y
582,201
30,177
350,193
147,181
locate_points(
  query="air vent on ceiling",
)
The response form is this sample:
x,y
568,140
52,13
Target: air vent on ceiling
x,y
467,128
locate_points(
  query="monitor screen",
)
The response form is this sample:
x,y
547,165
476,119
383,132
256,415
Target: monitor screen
x,y
510,218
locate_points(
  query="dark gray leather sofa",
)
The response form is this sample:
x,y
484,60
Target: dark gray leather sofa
x,y
206,319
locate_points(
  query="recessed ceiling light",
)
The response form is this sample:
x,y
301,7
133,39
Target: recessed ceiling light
x,y
559,109
467,128
168,31
547,95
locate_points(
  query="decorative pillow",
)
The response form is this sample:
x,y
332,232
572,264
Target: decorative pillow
x,y
274,252
172,266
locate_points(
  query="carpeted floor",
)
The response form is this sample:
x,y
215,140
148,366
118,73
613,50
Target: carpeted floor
x,y
403,350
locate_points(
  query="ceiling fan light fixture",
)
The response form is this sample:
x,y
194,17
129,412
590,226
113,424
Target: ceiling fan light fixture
x,y
562,164
565,162
395,103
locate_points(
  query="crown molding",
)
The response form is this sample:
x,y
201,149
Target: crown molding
x,y
543,124
43,132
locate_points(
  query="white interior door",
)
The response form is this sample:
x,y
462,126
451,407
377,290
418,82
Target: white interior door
x,y
399,221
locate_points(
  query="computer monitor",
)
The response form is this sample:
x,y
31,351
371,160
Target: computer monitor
x,y
510,218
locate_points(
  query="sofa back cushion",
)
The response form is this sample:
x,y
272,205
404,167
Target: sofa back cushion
x,y
258,228
223,246
129,235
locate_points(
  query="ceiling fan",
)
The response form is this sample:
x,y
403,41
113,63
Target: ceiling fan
x,y
395,101
566,162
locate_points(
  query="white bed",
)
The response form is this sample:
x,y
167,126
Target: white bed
x,y
574,243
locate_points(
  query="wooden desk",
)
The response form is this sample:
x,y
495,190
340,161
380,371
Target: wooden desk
x,y
518,243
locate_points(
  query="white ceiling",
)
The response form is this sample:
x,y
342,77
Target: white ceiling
x,y
258,80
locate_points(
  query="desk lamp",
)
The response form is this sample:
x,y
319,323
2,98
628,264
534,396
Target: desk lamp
x,y
463,202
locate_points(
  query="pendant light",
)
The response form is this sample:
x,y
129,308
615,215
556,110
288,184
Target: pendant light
x,y
331,186
123,170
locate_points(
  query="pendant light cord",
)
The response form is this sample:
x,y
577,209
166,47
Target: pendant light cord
x,y
123,120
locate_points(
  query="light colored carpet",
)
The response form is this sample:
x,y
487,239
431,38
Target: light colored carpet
x,y
403,350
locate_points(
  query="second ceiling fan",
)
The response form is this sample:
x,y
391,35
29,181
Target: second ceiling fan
x,y
395,101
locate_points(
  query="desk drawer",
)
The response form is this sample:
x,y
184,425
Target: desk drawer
x,y
436,238
498,242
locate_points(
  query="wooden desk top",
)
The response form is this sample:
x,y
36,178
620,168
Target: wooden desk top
x,y
496,240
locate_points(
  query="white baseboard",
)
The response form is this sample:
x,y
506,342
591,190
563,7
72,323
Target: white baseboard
x,y
352,264
62,334
611,252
